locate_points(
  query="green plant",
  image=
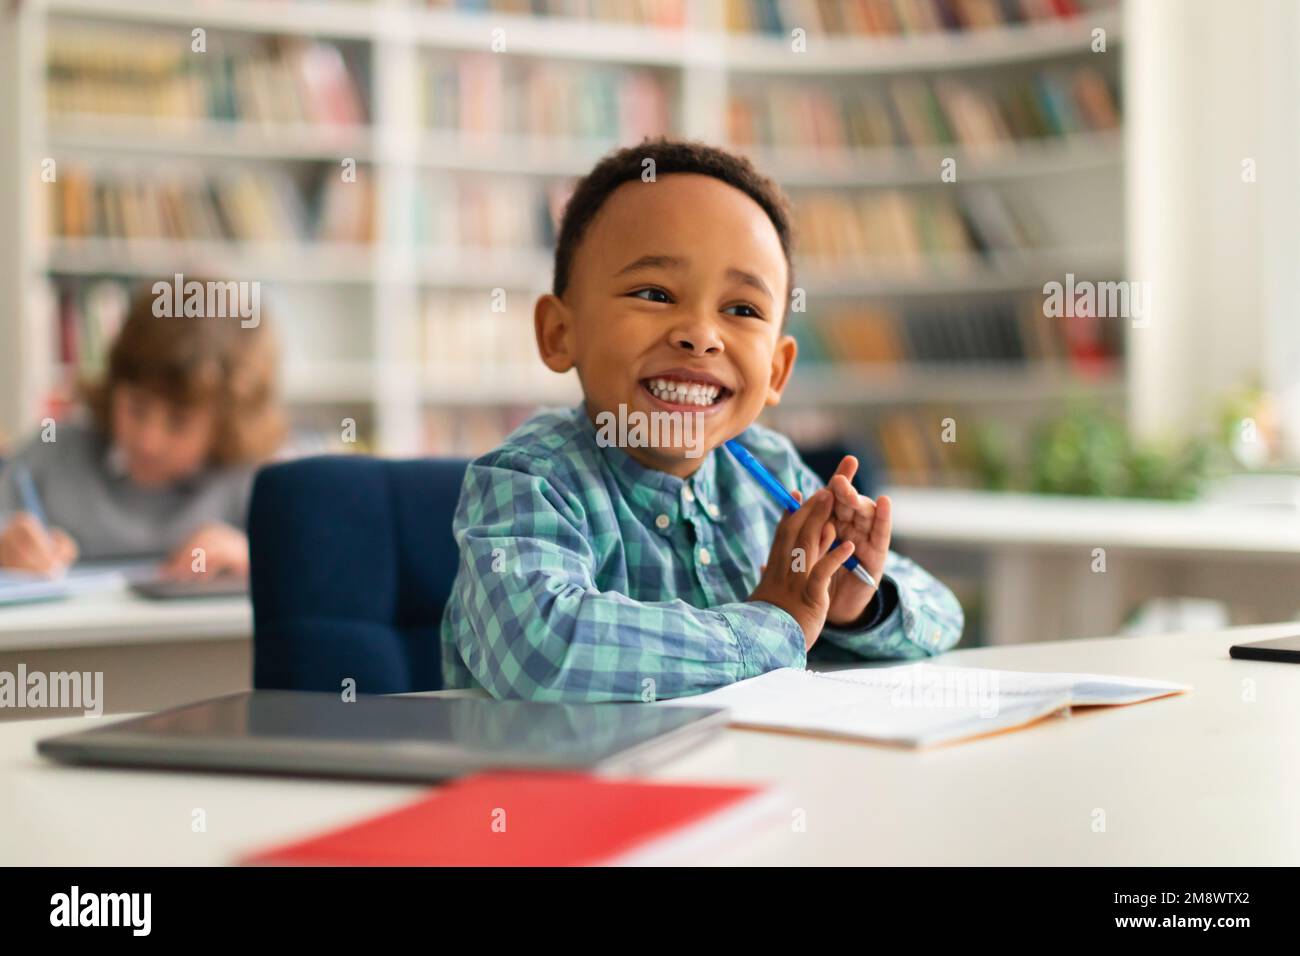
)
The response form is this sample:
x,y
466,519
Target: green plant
x,y
1089,451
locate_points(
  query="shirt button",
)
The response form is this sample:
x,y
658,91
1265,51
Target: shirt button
x,y
704,556
662,522
713,510
688,495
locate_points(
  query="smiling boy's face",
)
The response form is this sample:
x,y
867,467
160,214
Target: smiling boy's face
x,y
674,304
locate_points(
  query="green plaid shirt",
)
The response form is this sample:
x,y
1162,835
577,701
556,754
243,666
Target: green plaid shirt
x,y
585,576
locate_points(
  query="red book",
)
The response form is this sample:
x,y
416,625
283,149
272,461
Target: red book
x,y
535,819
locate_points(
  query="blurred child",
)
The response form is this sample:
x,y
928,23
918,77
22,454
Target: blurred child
x,y
162,463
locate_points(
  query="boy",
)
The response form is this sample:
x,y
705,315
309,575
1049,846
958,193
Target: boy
x,y
593,572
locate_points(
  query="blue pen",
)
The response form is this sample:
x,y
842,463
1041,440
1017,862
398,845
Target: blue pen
x,y
777,491
27,490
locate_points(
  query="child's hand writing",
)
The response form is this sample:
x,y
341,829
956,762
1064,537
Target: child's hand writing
x,y
866,523
800,566
224,551
26,545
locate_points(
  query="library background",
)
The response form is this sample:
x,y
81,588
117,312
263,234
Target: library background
x,y
382,167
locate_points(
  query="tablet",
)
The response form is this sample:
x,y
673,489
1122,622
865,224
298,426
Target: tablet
x,y
166,589
1284,649
390,737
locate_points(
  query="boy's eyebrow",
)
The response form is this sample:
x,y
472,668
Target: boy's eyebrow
x,y
749,279
652,262
677,262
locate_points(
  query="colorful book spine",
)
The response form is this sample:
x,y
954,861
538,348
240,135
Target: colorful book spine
x,y
919,113
897,18
241,204
275,81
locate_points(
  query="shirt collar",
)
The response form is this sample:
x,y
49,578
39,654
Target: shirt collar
x,y
652,492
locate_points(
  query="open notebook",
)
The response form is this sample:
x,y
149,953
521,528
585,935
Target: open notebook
x,y
916,705
21,587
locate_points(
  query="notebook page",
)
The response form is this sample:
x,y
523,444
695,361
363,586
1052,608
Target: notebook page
x,y
1082,689
17,586
878,709
916,704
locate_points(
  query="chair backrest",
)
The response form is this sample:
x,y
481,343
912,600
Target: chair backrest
x,y
352,560
824,459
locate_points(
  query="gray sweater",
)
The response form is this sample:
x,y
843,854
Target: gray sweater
x,y
87,494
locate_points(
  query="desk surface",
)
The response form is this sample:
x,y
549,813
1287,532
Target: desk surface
x,y
119,616
984,518
1209,777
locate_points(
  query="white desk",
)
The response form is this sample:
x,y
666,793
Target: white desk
x,y
1040,556
1209,777
152,653
120,617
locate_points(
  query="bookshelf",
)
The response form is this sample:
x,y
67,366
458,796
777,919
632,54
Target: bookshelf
x,y
384,320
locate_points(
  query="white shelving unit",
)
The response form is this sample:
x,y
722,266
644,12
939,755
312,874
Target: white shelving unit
x,y
392,277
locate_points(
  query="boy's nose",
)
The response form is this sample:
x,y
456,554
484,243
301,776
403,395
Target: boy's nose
x,y
698,338
151,439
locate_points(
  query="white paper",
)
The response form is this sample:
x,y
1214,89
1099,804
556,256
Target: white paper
x,y
916,705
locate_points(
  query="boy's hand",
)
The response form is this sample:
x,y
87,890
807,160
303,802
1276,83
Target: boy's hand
x,y
26,545
225,551
800,567
866,523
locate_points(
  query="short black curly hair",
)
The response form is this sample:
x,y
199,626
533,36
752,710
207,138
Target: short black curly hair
x,y
670,156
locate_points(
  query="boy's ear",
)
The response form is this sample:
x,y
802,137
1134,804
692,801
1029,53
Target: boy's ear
x,y
553,326
783,357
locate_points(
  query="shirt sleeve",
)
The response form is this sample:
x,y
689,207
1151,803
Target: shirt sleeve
x,y
531,624
913,614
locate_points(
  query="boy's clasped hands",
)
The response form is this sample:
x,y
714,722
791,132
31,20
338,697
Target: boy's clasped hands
x,y
800,577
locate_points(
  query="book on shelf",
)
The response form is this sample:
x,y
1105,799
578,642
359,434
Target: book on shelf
x,y
480,214
911,448
1003,333
470,214
661,14
895,18
90,313
473,340
151,73
238,204
481,97
916,112
913,233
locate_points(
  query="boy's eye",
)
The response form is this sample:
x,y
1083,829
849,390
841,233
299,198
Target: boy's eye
x,y
649,293
749,311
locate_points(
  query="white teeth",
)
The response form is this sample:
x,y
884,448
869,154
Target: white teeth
x,y
683,393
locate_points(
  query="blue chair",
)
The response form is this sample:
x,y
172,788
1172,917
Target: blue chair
x,y
824,459
351,563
